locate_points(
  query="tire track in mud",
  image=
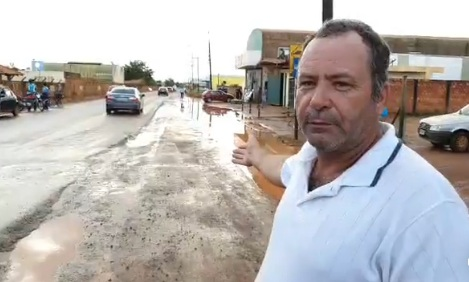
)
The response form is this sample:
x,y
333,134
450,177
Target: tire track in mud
x,y
167,211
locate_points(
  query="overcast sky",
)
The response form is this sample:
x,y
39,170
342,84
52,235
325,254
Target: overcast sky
x,y
166,33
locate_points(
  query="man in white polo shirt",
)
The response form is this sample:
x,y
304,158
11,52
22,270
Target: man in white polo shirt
x,y
359,205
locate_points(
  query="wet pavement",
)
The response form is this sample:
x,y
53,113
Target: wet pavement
x,y
42,153
103,199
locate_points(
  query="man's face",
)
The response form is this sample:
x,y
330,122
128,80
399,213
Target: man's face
x,y
334,102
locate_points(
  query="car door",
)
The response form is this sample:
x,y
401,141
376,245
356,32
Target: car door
x,y
3,100
223,96
216,95
7,101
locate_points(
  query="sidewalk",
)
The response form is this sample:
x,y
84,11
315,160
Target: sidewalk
x,y
276,121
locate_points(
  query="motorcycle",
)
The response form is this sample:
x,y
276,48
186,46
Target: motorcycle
x,y
43,104
31,101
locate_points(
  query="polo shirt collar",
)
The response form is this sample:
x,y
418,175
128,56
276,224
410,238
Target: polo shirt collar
x,y
368,169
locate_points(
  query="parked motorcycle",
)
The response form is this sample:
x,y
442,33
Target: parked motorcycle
x,y
31,101
43,104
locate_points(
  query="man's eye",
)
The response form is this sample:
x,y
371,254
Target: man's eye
x,y
306,83
342,86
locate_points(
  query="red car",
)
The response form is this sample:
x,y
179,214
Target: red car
x,y
216,95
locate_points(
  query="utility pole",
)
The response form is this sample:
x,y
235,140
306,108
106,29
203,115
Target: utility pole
x,y
327,10
198,73
209,63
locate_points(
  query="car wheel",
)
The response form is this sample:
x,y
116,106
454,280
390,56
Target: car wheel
x,y
438,145
15,112
108,112
459,141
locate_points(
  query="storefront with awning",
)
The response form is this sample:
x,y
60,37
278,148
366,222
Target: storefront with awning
x,y
266,61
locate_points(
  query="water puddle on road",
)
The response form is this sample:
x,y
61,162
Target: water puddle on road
x,y
152,132
228,128
38,256
217,124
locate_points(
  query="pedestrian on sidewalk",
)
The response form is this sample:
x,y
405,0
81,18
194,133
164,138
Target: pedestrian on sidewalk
x,y
359,205
239,93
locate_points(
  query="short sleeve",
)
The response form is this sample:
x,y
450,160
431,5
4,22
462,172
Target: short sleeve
x,y
286,173
434,248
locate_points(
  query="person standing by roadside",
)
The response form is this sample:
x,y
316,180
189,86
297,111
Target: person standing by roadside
x,y
59,95
239,93
183,92
359,205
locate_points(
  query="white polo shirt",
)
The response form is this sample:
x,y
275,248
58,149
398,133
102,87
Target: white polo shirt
x,y
390,217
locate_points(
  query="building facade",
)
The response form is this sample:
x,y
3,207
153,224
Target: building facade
x,y
266,59
108,73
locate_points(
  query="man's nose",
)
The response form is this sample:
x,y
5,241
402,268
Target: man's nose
x,y
320,98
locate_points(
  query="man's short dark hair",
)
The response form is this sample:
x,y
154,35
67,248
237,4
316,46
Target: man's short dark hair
x,y
379,49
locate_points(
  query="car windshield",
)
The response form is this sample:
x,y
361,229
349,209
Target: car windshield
x,y
464,111
128,91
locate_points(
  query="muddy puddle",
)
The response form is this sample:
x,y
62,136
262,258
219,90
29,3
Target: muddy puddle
x,y
228,126
37,257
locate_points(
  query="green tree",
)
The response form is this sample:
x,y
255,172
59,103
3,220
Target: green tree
x,y
138,70
169,82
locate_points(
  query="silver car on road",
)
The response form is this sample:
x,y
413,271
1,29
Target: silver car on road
x,y
122,98
450,129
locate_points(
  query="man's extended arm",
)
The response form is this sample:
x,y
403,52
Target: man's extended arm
x,y
270,165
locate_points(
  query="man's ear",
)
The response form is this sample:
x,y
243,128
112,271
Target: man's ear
x,y
385,92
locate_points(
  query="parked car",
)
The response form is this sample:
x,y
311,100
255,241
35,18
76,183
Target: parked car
x,y
163,91
8,101
216,95
170,89
122,98
450,129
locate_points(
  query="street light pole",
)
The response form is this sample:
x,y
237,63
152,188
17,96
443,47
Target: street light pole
x,y
209,62
198,72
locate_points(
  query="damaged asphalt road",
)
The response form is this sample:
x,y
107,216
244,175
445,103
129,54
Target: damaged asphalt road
x,y
165,205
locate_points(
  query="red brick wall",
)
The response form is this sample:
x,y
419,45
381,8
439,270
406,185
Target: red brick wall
x,y
75,89
431,96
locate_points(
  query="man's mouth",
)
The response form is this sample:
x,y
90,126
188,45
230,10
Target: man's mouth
x,y
319,122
